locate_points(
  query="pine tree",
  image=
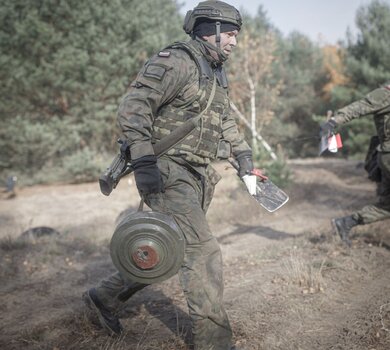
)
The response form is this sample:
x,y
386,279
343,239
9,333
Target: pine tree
x,y
301,70
64,66
367,66
368,62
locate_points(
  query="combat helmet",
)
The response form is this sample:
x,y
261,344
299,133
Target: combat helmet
x,y
218,11
213,11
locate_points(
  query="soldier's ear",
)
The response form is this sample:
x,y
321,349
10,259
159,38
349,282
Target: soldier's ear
x,y
209,38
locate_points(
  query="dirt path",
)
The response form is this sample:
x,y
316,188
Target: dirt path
x,y
290,283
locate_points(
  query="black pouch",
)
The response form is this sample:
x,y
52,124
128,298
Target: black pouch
x,y
371,162
224,149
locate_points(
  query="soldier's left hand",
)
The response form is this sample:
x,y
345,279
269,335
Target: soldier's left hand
x,y
245,163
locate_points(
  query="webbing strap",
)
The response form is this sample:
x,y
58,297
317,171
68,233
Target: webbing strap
x,y
166,143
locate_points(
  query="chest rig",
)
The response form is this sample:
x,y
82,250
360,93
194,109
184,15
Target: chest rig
x,y
382,118
382,124
201,145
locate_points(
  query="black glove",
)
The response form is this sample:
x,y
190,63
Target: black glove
x,y
327,128
147,175
245,163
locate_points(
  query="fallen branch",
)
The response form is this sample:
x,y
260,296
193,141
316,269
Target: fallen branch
x,y
254,132
382,321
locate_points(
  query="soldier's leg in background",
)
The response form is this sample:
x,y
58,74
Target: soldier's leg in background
x,y
201,273
371,213
107,299
381,209
114,291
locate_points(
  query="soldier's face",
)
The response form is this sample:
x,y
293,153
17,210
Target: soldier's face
x,y
228,42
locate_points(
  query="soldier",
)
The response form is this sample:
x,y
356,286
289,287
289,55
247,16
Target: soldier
x,y
182,81
376,103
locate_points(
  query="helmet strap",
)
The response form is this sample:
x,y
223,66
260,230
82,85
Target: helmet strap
x,y
222,57
218,34
217,48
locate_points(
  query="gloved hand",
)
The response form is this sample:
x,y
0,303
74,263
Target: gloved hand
x,y
245,163
147,175
327,128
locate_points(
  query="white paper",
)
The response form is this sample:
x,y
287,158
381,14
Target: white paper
x,y
250,182
332,147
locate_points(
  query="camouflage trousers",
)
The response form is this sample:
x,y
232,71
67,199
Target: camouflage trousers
x,y
186,197
381,209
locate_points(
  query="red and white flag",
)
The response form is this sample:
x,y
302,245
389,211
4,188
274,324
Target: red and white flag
x,y
334,143
330,143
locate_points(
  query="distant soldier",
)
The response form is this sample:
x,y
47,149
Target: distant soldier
x,y
10,185
376,103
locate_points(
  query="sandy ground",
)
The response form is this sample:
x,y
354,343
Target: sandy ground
x,y
289,282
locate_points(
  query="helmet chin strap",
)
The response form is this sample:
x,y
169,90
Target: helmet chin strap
x,y
218,34
222,57
217,48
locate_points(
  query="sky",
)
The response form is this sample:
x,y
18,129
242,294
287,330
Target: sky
x,y
325,21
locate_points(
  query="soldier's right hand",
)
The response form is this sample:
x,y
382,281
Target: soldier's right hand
x,y
147,175
327,128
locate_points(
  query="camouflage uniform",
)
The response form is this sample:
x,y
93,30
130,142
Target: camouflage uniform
x,y
376,103
168,91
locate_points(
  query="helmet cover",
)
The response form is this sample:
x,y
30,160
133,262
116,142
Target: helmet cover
x,y
217,11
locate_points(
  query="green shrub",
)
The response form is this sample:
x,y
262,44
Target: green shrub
x,y
83,166
277,170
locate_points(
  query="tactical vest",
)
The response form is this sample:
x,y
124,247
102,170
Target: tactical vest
x,y
201,145
382,119
382,123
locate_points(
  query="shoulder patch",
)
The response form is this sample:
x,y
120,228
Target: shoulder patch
x,y
164,54
155,71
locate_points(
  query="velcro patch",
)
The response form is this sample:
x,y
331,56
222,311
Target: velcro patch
x,y
164,54
155,71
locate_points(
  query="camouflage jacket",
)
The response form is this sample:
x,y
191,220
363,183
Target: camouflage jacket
x,y
376,103
164,94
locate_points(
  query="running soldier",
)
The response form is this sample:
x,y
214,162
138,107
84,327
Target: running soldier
x,y
376,103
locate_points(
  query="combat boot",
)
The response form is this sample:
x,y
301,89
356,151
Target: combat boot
x,y
343,225
106,318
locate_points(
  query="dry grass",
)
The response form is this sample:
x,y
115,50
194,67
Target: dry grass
x,y
306,274
269,274
9,243
82,331
10,251
172,343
